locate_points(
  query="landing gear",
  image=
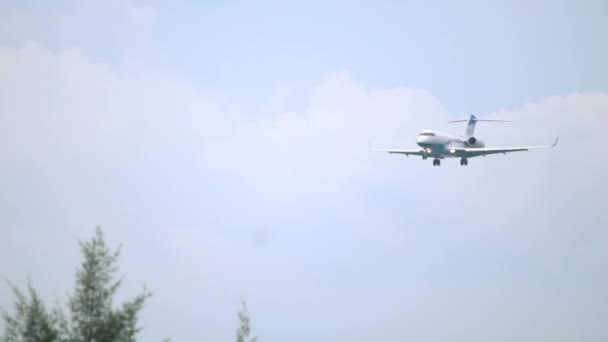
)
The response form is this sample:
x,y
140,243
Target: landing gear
x,y
436,162
464,162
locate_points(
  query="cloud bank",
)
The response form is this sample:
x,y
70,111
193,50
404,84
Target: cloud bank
x,y
294,213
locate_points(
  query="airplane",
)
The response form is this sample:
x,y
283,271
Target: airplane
x,y
438,145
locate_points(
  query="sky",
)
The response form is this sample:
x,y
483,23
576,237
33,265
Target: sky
x,y
225,146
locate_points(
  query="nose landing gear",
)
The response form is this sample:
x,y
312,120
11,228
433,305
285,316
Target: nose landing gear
x,y
464,162
436,162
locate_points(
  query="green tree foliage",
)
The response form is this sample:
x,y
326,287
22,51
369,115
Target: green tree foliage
x,y
92,317
31,321
245,326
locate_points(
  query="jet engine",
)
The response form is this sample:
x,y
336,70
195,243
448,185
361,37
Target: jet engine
x,y
471,141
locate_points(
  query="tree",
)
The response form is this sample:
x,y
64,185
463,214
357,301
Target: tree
x,y
92,317
31,321
244,329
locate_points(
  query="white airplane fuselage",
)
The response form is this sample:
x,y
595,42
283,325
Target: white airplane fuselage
x,y
439,145
442,145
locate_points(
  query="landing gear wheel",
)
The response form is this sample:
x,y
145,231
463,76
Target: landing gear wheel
x,y
436,162
464,161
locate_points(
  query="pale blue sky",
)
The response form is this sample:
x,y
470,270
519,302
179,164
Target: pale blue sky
x,y
474,55
225,144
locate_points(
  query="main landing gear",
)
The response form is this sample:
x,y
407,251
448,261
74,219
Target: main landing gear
x,y
464,162
436,162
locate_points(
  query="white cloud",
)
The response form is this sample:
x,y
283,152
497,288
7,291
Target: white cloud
x,y
328,143
61,105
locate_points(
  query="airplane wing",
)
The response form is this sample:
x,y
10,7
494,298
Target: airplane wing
x,y
476,152
418,152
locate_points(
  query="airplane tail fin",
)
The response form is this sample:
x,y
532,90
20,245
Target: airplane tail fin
x,y
472,121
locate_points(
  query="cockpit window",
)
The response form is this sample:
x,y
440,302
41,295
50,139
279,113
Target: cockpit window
x,y
428,134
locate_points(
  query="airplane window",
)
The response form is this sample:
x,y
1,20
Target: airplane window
x,y
427,134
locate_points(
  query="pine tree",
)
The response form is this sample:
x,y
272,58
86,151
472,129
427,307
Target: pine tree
x,y
31,321
244,329
93,319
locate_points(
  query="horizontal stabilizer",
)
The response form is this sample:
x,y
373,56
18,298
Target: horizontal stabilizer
x,y
472,121
486,120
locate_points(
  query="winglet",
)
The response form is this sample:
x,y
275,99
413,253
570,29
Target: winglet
x,y
555,143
